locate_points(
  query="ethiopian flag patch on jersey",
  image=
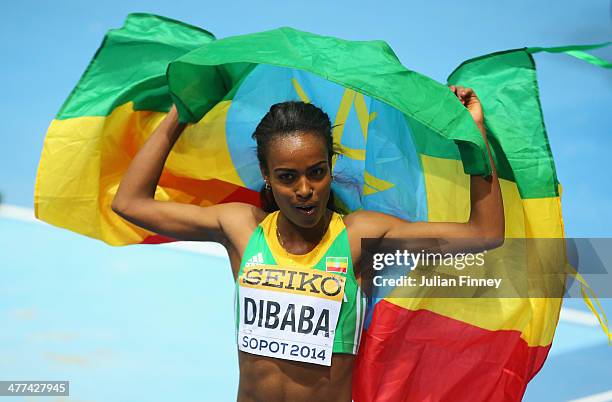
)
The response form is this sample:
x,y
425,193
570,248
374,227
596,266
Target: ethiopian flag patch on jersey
x,y
336,264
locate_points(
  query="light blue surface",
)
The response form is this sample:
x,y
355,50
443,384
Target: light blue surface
x,y
139,323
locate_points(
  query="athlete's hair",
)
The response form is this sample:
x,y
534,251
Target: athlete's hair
x,y
284,119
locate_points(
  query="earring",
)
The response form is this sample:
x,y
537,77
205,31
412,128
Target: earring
x,y
267,185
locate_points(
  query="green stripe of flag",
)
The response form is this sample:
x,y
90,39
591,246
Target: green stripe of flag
x,y
577,51
506,84
131,64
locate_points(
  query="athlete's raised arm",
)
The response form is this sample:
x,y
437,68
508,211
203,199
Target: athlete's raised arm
x,y
486,221
135,201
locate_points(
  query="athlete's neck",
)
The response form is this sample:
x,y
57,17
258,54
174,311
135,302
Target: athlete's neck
x,y
293,234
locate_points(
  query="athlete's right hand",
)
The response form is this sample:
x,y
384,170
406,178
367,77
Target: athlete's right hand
x,y
468,98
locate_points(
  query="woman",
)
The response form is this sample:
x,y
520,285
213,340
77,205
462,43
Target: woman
x,y
299,309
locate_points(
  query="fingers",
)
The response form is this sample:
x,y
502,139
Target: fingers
x,y
462,93
458,91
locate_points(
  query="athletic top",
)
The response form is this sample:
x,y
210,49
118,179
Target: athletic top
x,y
288,306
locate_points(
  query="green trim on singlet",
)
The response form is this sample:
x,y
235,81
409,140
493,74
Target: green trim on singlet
x,y
263,248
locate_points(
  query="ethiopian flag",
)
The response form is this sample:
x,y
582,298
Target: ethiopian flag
x,y
336,264
406,146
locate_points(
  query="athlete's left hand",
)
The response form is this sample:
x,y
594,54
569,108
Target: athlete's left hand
x,y
468,98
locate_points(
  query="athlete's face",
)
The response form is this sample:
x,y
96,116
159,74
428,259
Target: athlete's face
x,y
300,177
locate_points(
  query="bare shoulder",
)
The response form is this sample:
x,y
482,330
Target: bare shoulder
x,y
239,221
368,224
364,224
240,217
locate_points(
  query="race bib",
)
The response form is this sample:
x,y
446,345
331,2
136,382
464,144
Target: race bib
x,y
289,313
